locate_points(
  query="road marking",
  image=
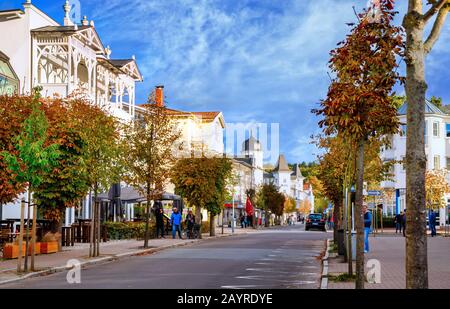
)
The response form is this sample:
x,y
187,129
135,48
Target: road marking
x,y
237,287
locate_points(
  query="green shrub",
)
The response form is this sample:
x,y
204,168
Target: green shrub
x,y
345,277
387,222
128,230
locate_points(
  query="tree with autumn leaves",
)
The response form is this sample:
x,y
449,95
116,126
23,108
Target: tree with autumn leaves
x,y
149,142
436,187
271,200
204,183
86,140
359,103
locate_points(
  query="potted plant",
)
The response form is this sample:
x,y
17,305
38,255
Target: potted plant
x,y
11,250
49,243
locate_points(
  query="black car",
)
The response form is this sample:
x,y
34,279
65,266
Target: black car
x,y
315,221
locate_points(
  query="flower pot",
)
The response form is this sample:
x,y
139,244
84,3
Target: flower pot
x,y
49,247
11,250
37,248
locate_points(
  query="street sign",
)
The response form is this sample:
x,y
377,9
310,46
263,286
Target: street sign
x,y
373,193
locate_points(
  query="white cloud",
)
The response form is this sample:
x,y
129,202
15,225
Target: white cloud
x,y
262,61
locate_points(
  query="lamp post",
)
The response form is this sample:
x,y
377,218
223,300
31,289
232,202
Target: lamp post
x,y
233,221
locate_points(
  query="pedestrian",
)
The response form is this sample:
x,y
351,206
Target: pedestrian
x,y
175,220
398,222
190,221
432,222
241,219
367,226
404,223
159,222
245,221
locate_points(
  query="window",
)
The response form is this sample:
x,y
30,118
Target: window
x,y
437,163
447,126
436,129
9,83
404,127
403,163
448,163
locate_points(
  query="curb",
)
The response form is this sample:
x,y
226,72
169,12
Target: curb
x,y
324,277
110,258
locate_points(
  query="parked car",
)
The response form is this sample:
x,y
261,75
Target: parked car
x,y
315,221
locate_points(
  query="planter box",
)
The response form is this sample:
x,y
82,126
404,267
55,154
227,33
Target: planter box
x,y
49,247
37,248
11,251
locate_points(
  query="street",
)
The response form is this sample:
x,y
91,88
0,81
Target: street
x,y
285,257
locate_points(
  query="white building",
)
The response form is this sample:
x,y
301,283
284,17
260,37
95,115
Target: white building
x,y
437,150
290,182
63,58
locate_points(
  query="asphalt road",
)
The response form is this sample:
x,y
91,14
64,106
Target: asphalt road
x,y
274,258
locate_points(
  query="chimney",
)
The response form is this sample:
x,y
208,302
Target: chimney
x,y
159,96
85,21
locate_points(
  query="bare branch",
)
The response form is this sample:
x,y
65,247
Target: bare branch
x,y
436,31
436,7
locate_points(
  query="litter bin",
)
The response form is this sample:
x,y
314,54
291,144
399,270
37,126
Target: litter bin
x,y
340,242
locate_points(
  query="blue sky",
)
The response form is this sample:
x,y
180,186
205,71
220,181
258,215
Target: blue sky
x,y
255,60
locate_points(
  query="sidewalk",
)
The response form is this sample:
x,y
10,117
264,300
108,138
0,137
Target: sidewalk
x,y
390,251
109,251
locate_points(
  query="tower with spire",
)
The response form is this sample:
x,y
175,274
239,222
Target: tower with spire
x,y
252,149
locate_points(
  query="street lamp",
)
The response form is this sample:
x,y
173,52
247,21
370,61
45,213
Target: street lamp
x,y
233,221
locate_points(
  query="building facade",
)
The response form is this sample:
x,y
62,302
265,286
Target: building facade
x,y
437,150
291,182
64,59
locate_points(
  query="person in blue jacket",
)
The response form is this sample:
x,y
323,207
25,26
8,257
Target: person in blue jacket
x,y
175,220
432,222
367,226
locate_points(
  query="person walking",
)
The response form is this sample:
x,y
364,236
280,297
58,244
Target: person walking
x,y
432,222
367,226
398,222
190,222
404,223
175,220
241,219
159,222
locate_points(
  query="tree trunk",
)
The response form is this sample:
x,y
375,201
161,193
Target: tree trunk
x,y
27,233
359,217
349,231
212,226
99,234
33,238
415,87
92,227
147,218
22,215
198,219
336,219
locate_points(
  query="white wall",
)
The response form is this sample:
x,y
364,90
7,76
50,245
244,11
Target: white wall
x,y
15,41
